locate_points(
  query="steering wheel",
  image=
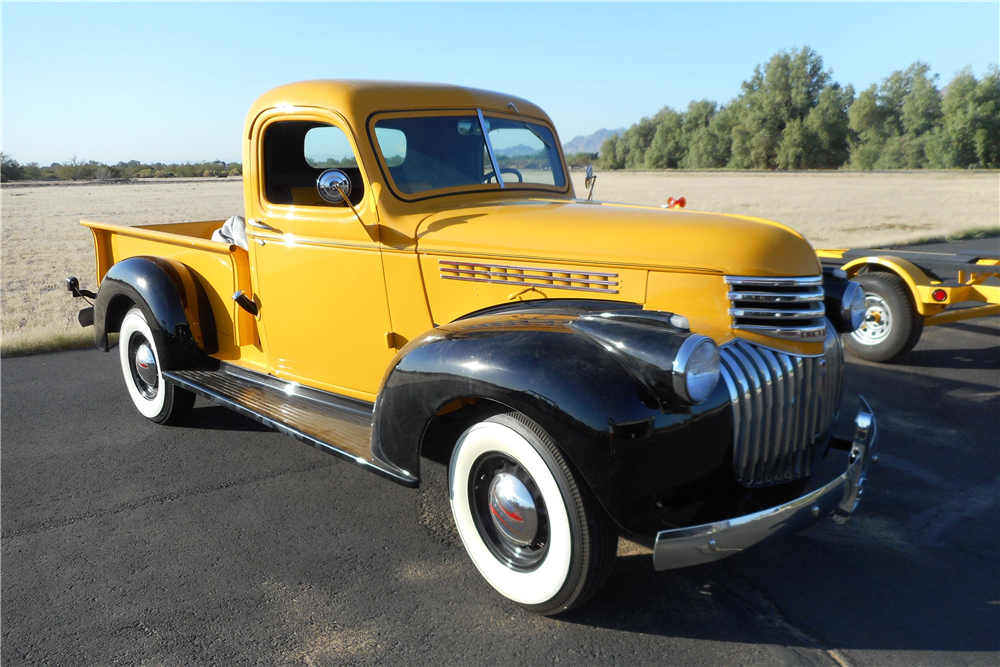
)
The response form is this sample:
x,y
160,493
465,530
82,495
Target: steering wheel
x,y
504,170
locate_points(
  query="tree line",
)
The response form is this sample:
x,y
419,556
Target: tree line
x,y
791,114
80,170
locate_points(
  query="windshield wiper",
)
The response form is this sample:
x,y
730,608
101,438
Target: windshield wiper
x,y
510,105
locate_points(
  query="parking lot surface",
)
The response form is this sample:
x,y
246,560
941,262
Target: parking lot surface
x,y
224,542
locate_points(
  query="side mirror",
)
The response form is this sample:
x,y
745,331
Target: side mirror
x,y
589,180
334,186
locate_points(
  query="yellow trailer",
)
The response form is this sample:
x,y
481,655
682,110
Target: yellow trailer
x,y
907,290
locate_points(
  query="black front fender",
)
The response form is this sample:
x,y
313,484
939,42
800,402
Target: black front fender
x,y
642,453
173,301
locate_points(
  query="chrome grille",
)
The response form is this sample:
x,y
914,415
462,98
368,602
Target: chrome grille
x,y
788,308
554,278
784,407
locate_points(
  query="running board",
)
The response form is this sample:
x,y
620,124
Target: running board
x,y
334,424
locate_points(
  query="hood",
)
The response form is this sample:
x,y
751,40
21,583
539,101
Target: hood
x,y
620,235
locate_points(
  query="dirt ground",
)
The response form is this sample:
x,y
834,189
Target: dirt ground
x,y
42,242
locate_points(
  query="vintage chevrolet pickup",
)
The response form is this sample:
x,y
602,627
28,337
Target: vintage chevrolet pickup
x,y
419,279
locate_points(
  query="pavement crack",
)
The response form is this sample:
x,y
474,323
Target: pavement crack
x,y
758,603
165,498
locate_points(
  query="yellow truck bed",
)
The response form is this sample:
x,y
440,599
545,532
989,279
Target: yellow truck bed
x,y
224,268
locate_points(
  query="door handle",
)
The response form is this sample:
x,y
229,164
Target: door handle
x,y
260,224
246,303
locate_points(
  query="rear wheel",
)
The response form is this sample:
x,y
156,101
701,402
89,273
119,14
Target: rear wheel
x,y
892,325
155,399
535,532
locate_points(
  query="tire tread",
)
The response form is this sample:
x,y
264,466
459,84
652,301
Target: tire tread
x,y
599,538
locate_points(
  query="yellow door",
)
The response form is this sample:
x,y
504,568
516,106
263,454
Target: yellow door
x,y
317,268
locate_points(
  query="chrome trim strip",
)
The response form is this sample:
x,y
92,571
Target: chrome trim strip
x,y
515,277
763,281
453,270
775,297
839,498
311,241
513,283
527,268
814,333
489,147
768,313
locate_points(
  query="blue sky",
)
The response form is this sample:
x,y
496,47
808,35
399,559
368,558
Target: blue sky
x,y
172,82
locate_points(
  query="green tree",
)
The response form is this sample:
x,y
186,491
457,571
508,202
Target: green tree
x,y
969,134
668,146
894,121
783,91
632,146
828,126
609,154
10,169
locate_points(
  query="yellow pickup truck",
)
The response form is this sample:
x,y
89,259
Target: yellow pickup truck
x,y
416,277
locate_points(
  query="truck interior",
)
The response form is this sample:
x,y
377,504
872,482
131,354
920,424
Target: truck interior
x,y
290,174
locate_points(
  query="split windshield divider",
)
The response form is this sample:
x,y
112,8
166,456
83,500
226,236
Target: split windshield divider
x,y
489,147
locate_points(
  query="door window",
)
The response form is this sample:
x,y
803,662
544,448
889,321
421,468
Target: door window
x,y
296,152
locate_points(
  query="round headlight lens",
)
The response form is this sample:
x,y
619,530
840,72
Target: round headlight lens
x,y
853,305
696,369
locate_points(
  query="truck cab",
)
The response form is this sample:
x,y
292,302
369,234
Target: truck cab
x,y
419,278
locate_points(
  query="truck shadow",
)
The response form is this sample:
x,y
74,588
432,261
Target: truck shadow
x,y
212,417
816,606
982,358
915,569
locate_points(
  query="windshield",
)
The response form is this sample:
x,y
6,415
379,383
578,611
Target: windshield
x,y
448,153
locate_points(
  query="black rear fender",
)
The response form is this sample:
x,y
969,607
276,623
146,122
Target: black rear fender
x,y
173,301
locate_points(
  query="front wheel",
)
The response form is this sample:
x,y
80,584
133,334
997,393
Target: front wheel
x,y
892,325
535,533
155,399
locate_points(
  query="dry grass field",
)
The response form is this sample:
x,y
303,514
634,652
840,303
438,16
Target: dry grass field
x,y
42,243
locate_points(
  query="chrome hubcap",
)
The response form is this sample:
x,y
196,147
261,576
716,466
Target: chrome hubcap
x,y
513,510
877,323
509,511
144,371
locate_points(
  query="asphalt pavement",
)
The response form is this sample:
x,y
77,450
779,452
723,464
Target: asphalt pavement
x,y
224,542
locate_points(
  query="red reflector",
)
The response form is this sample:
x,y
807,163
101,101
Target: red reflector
x,y
939,295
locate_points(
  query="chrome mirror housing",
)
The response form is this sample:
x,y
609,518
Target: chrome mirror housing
x,y
334,186
589,180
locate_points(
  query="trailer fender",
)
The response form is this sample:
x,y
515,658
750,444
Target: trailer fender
x,y
911,274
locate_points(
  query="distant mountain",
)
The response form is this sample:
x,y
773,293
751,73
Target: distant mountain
x,y
591,143
516,151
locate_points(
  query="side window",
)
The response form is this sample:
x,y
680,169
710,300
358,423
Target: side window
x,y
393,145
296,152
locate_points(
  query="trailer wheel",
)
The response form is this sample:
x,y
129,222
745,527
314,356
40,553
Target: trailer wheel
x,y
155,399
892,325
535,533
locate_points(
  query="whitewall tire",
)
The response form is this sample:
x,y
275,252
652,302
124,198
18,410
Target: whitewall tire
x,y
141,365
534,533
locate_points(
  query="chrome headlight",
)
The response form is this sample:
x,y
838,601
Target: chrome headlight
x,y
852,305
696,369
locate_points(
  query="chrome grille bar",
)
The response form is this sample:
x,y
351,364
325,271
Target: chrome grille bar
x,y
783,406
790,308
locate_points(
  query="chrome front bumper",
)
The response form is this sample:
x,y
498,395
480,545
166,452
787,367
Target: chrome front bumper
x,y
693,545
